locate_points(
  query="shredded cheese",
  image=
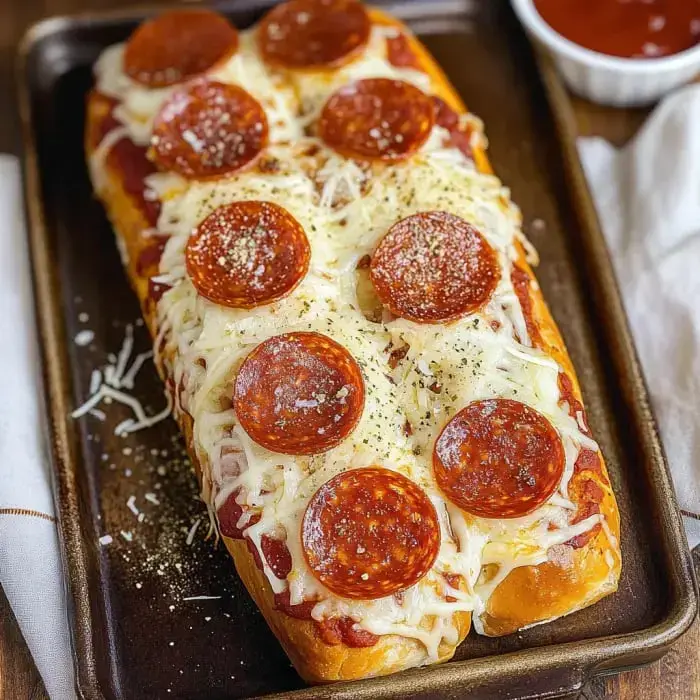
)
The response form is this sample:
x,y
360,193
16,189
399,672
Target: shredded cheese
x,y
345,209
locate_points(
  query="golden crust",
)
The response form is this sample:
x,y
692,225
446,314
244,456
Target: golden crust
x,y
528,594
318,662
573,580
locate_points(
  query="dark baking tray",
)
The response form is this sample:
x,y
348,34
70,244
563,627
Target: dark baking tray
x,y
134,636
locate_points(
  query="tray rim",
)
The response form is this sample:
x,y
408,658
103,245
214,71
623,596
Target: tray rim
x,y
572,663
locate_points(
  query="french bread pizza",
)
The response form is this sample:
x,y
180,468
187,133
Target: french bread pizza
x,y
385,423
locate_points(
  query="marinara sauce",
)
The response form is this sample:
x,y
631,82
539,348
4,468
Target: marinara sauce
x,y
626,28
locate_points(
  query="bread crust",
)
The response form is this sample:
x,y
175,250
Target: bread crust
x,y
528,595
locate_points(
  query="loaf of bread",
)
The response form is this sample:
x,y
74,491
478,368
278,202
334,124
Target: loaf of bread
x,y
385,422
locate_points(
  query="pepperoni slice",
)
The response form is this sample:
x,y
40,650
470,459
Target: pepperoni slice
x,y
208,129
378,119
299,393
432,267
246,254
313,33
178,45
369,533
498,458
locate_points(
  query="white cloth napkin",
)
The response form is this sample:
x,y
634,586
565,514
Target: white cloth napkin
x,y
30,565
648,200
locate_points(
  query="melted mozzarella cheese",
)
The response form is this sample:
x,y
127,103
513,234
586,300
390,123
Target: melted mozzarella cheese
x,y
315,87
345,209
138,105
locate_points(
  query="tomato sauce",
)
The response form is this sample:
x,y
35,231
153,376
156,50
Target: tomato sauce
x,y
400,53
277,556
332,631
133,164
521,284
300,611
156,291
626,28
453,581
588,495
460,134
586,492
149,257
342,630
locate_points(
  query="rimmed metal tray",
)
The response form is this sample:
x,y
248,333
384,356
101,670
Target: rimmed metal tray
x,y
141,628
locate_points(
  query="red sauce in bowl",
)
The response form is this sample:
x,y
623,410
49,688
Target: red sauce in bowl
x,y
626,28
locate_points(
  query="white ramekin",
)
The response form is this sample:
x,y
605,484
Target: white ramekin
x,y
609,80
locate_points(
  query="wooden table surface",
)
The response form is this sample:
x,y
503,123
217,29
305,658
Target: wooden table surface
x,y
675,677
